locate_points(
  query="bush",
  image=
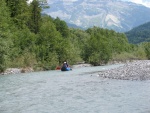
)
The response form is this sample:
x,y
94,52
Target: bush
x,y
123,56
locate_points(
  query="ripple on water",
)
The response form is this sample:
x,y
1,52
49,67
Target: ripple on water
x,y
56,92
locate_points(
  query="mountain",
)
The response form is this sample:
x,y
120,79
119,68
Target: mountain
x,y
74,26
139,34
112,14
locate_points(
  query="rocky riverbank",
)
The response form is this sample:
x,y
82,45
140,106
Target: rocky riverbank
x,y
17,70
136,70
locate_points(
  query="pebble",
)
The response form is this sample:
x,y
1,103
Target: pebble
x,y
17,70
136,70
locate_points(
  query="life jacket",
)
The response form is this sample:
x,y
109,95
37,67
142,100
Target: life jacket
x,y
65,65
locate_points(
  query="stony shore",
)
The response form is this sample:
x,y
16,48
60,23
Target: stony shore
x,y
17,70
135,70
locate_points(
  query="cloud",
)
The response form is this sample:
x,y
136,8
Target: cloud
x,y
143,2
138,1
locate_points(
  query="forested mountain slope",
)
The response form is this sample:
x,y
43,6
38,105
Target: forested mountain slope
x,y
139,34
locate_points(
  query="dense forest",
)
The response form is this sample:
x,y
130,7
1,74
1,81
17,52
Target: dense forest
x,y
29,38
139,34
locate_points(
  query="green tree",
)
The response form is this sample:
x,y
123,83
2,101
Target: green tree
x,y
147,49
19,11
53,43
5,36
62,27
48,42
79,40
98,49
103,45
34,23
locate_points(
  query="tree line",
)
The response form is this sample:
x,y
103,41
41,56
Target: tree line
x,y
29,38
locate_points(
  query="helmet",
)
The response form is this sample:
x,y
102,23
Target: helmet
x,y
65,62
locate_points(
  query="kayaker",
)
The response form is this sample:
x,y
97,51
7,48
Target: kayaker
x,y
65,67
65,64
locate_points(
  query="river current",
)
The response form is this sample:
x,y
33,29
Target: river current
x,y
76,91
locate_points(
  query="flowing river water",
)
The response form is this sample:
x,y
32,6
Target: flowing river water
x,y
76,91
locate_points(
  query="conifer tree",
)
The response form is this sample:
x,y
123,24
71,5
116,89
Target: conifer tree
x,y
34,23
19,12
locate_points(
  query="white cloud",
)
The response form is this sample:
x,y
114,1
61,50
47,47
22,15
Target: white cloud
x,y
143,2
137,1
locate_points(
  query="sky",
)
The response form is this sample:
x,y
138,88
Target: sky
x,y
143,2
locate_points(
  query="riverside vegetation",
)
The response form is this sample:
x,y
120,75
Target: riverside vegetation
x,y
29,38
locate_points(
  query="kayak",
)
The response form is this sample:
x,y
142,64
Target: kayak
x,y
58,68
66,69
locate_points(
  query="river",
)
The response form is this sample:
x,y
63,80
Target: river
x,y
76,91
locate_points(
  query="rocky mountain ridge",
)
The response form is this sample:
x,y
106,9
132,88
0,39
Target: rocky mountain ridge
x,y
118,15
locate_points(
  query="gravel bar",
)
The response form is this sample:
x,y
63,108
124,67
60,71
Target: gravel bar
x,y
135,70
